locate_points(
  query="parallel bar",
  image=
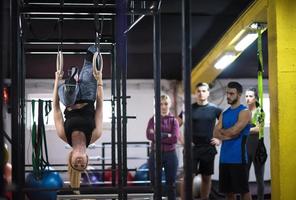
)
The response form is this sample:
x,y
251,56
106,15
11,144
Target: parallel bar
x,y
187,63
157,77
17,114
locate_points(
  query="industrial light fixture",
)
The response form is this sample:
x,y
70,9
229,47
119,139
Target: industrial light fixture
x,y
248,36
245,41
225,60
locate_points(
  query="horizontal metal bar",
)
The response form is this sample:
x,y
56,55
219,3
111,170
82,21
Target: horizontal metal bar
x,y
64,52
95,146
50,14
70,4
67,43
98,158
91,189
128,117
54,9
105,39
78,10
103,196
69,17
127,97
128,143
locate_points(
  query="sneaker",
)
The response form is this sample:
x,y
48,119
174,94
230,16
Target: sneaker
x,y
70,83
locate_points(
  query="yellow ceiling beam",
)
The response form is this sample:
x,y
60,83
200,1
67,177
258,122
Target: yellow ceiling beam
x,y
205,71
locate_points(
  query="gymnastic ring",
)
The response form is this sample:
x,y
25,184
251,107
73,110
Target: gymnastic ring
x,y
95,68
60,61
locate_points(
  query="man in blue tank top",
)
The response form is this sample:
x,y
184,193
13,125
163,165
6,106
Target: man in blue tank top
x,y
233,129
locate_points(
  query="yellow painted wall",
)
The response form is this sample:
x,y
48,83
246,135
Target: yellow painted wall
x,y
282,81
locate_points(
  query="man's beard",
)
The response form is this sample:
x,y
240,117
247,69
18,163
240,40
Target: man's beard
x,y
234,101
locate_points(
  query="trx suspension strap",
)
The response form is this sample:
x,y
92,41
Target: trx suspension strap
x,y
98,27
97,58
261,116
41,132
60,60
35,150
39,137
48,109
261,153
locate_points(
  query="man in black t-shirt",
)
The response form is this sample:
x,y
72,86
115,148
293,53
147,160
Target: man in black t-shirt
x,y
204,116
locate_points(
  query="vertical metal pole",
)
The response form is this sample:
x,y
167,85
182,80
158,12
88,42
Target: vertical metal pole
x,y
186,62
103,160
17,116
121,24
113,122
23,101
157,77
118,123
1,99
124,118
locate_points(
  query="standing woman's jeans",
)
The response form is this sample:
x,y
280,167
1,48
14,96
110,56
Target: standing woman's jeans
x,y
252,144
170,165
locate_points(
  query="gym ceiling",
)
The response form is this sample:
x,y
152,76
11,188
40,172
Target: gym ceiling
x,y
211,19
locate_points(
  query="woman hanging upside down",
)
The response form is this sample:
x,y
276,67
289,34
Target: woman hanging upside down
x,y
83,122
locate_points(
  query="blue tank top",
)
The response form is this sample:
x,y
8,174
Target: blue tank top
x,y
234,151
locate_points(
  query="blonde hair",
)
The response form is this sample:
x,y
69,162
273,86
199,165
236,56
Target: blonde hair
x,y
166,98
74,175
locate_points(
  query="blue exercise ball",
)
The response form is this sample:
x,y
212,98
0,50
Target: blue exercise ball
x,y
142,175
91,178
48,180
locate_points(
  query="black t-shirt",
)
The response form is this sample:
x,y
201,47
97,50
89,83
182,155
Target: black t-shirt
x,y
203,122
80,120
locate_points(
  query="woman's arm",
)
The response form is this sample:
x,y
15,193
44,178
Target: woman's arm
x,y
150,130
175,134
97,133
243,120
218,130
57,113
